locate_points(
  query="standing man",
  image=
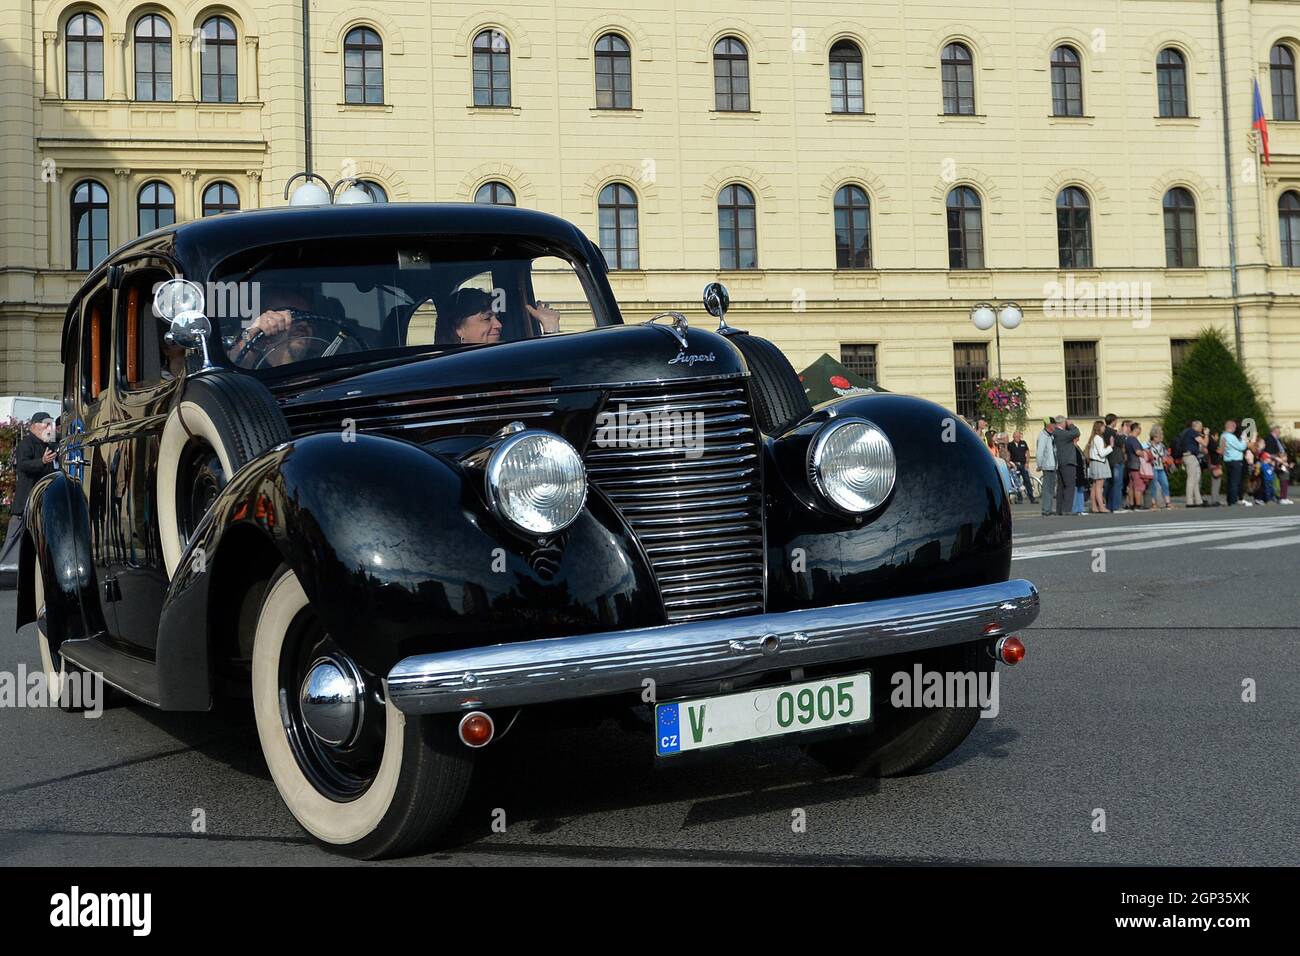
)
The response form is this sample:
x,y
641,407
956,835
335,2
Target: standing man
x,y
1114,487
1045,455
1234,460
35,460
1067,471
1276,448
1191,443
1018,448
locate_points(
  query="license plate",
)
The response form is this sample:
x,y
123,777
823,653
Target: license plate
x,y
755,714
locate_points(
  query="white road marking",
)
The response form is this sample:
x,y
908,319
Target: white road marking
x,y
1262,543
1150,536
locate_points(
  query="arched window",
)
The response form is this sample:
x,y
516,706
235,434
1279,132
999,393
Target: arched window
x,y
846,77
155,206
619,232
613,73
958,69
220,197
217,56
363,66
1073,228
1281,71
1171,82
491,69
153,58
965,229
376,191
84,49
730,76
737,228
1288,222
852,228
1067,82
495,194
1180,229
89,224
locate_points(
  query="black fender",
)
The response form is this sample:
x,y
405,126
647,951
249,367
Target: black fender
x,y
946,524
58,535
398,554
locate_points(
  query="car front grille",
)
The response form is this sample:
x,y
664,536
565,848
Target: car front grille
x,y
698,515
422,418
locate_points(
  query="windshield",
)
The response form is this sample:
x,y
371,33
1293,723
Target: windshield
x,y
285,304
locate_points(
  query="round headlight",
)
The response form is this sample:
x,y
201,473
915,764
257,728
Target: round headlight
x,y
537,482
851,463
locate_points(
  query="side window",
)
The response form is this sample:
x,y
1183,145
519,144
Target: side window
x,y
97,339
72,370
557,286
423,325
143,358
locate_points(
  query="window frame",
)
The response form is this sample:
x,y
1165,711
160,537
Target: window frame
x,y
618,208
1179,212
155,44
731,59
1067,227
1282,83
211,53
606,66
494,186
960,254
841,87
84,40
951,70
221,206
967,377
1288,228
90,206
366,49
492,72
844,254
154,207
850,361
1169,77
735,209
1066,81
1085,386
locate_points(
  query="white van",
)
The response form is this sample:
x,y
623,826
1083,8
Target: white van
x,y
23,407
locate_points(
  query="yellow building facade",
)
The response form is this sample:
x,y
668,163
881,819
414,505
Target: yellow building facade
x,y
905,114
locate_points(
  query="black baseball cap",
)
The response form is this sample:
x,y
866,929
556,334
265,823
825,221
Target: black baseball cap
x,y
41,417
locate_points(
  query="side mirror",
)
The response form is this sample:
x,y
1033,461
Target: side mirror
x,y
716,300
190,330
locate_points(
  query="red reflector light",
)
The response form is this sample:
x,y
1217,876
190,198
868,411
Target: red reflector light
x,y
476,729
1011,650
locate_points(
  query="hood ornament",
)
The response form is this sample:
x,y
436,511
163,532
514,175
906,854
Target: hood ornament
x,y
677,330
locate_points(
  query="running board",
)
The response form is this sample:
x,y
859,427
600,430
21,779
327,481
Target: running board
x,y
133,676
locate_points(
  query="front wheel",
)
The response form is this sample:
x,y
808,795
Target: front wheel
x,y
907,740
357,774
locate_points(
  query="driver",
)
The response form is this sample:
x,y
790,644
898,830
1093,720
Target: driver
x,y
277,327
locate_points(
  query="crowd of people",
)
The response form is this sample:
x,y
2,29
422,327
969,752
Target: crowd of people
x,y
1114,468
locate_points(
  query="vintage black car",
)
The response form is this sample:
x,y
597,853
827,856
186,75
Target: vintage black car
x,y
403,474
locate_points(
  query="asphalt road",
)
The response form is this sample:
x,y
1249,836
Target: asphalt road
x,y
1129,702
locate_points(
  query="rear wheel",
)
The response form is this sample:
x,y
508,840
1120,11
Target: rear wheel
x,y
223,422
779,398
358,775
904,740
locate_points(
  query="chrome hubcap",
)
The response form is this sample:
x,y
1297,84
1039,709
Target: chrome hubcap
x,y
332,698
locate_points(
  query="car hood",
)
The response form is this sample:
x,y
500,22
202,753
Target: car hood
x,y
613,355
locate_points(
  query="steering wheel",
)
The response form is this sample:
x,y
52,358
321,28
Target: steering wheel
x,y
346,339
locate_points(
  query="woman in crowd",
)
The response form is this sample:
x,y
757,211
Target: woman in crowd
x,y
1098,467
1214,456
1081,481
1158,454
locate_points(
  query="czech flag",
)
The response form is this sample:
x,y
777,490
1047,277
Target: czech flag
x,y
1260,122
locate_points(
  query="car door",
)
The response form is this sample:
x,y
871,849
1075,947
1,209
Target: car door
x,y
145,380
91,449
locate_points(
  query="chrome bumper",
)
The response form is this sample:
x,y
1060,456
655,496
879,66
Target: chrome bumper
x,y
612,662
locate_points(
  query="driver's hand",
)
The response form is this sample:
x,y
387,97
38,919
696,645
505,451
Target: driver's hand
x,y
548,318
272,322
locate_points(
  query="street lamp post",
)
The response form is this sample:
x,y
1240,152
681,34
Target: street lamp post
x,y
349,191
985,316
